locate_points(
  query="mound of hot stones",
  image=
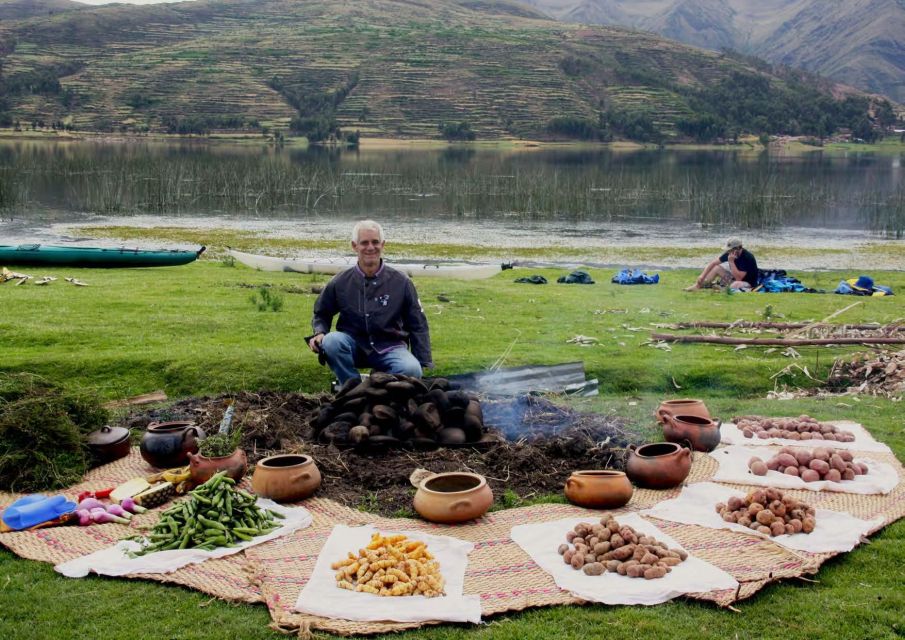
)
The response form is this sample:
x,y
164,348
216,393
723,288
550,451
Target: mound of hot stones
x,y
396,410
803,427
821,463
610,546
770,512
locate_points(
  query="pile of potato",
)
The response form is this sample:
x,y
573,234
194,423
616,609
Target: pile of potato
x,y
392,410
821,463
770,512
609,546
391,566
803,427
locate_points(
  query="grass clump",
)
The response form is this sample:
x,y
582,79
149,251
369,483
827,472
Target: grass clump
x,y
266,300
42,434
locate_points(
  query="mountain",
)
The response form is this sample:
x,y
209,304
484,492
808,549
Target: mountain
x,y
21,9
390,68
856,42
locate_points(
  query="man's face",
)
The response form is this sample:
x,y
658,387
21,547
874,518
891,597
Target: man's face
x,y
735,252
369,248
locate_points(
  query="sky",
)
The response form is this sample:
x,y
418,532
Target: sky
x,y
126,1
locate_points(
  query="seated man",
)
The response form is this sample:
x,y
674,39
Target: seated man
x,y
736,268
379,312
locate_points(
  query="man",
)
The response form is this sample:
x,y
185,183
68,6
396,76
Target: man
x,y
736,268
379,312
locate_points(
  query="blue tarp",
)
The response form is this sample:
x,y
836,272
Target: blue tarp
x,y
635,276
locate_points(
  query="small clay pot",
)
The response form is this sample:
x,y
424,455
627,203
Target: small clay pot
x,y
203,468
450,498
286,477
661,465
168,444
603,489
702,433
109,443
683,407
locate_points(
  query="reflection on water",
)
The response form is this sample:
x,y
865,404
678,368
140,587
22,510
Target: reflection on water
x,y
574,192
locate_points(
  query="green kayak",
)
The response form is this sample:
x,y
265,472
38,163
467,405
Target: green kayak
x,y
45,255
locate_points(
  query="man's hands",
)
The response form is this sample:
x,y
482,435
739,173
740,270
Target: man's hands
x,y
314,343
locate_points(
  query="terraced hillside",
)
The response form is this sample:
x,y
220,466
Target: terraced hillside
x,y
857,42
394,68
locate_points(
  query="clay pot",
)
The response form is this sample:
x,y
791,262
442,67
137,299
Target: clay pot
x,y
702,433
203,468
598,489
286,477
684,407
168,444
109,443
661,465
450,498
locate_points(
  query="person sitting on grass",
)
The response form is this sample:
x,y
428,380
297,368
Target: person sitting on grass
x,y
736,268
379,312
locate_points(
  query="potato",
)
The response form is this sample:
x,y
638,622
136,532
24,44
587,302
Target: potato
x,y
836,462
734,503
759,468
747,433
636,570
773,464
789,529
570,536
862,468
848,474
649,558
820,466
759,496
803,456
744,520
612,565
577,540
810,475
777,528
764,530
616,541
822,453
567,556
833,475
593,569
563,548
787,460
805,435
778,508
670,561
623,567
791,471
577,561
623,553
845,455
654,572
601,547
754,508
730,516
808,524
592,541
765,517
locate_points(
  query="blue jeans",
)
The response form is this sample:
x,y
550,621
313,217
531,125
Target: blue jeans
x,y
344,356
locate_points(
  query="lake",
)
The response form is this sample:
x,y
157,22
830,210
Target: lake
x,y
575,197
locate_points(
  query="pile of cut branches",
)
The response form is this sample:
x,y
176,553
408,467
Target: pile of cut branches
x,y
878,373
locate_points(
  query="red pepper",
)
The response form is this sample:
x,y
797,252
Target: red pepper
x,y
100,495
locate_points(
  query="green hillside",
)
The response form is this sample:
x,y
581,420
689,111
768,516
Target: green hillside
x,y
386,68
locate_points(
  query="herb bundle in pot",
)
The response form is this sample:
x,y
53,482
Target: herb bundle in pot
x,y
219,445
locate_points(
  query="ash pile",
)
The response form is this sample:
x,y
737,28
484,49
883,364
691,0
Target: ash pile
x,y
387,411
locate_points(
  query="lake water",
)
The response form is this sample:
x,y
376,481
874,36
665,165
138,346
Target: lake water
x,y
536,197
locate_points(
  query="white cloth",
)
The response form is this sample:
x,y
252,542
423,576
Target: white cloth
x,y
322,597
835,531
880,477
731,434
113,561
693,575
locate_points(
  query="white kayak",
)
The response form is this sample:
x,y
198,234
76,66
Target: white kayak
x,y
452,270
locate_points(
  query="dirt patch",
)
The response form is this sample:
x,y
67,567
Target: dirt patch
x,y
540,444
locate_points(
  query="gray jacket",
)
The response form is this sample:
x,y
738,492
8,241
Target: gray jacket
x,y
381,313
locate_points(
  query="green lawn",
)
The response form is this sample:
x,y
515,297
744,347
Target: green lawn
x,y
194,330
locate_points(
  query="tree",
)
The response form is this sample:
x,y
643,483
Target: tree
x,y
454,131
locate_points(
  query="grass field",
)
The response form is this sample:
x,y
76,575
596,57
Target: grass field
x,y
194,330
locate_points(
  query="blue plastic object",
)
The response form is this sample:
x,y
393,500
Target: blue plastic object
x,y
34,509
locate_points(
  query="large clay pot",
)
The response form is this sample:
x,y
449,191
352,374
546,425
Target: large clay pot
x,y
661,465
203,468
598,489
681,407
455,497
702,433
168,444
286,477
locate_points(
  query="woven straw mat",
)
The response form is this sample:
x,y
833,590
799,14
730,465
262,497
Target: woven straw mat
x,y
499,571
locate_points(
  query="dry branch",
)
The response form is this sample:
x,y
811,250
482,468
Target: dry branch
x,y
774,342
745,324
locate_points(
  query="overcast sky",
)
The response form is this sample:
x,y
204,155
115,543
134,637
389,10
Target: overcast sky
x,y
126,1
